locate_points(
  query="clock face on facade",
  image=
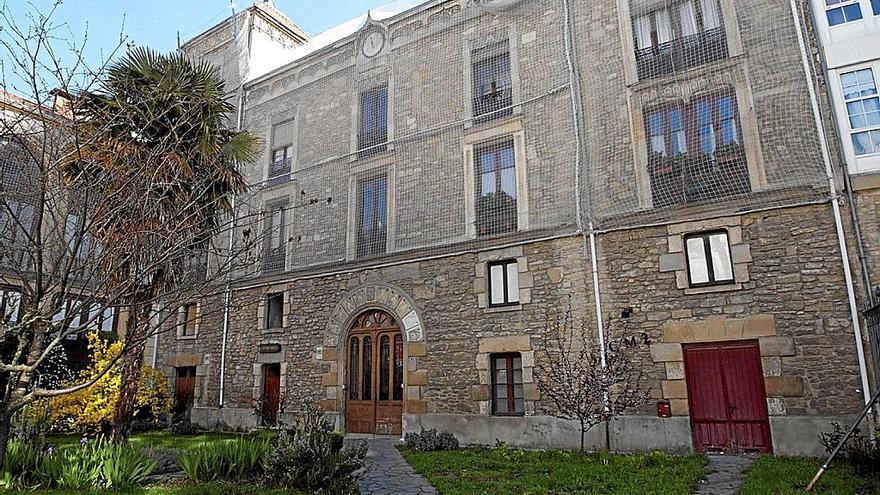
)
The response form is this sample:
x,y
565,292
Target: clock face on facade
x,y
373,44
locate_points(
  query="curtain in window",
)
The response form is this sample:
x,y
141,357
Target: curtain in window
x,y
688,18
643,31
664,26
711,16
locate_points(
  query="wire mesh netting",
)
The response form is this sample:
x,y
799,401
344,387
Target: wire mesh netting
x,y
447,124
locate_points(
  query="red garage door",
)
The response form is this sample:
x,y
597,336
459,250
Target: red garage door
x,y
728,404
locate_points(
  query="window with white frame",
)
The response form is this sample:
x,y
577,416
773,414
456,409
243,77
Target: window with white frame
x,y
708,259
282,152
503,283
863,110
842,11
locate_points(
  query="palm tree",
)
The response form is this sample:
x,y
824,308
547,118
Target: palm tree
x,y
161,165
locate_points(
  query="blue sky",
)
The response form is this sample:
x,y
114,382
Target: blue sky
x,y
155,23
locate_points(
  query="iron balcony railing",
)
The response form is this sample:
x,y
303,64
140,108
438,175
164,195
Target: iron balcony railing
x,y
681,53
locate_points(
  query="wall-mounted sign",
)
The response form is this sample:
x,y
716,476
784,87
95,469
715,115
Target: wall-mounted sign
x,y
270,348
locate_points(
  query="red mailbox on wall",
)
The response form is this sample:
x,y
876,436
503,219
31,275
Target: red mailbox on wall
x,y
664,409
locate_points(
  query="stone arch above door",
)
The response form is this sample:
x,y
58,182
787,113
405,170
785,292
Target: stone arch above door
x,y
400,307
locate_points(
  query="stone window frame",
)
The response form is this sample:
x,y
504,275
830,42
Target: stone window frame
x,y
628,44
197,361
369,80
388,166
274,121
180,323
503,129
510,383
481,393
773,349
504,264
675,259
705,238
262,308
479,41
481,280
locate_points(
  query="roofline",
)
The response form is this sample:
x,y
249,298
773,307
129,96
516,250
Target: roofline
x,y
296,33
390,20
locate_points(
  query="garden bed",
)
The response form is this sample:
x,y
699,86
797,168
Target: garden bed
x,y
506,471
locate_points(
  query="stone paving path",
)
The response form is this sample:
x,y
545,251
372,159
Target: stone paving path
x,y
727,473
387,473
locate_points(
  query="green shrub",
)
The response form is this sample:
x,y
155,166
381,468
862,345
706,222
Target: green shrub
x,y
430,441
99,464
231,460
311,458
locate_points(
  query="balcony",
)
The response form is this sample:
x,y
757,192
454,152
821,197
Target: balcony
x,y
681,54
279,172
493,104
693,177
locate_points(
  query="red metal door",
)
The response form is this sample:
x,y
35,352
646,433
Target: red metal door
x,y
728,404
271,393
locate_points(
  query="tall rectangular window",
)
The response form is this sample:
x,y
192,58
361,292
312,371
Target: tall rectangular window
x,y
842,11
283,135
493,87
863,110
275,310
497,189
10,303
372,217
708,257
275,249
373,127
190,317
677,36
667,132
503,283
875,6
507,385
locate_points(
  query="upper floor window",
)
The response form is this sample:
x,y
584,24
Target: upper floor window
x,y
190,317
282,152
678,36
843,11
503,283
496,193
372,217
863,109
10,303
695,150
275,241
507,385
373,127
493,88
875,6
275,310
708,257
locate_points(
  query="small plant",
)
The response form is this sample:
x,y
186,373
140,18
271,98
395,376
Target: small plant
x,y
232,460
861,451
430,441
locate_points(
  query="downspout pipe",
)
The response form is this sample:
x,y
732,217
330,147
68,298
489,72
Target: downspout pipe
x,y
835,205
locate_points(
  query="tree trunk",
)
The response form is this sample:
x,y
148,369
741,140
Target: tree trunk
x,y
5,427
132,361
607,436
583,432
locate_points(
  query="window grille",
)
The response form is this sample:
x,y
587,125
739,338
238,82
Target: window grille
x,y
493,88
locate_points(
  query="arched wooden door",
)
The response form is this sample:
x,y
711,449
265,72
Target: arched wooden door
x,y
374,370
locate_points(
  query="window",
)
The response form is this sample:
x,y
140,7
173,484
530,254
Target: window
x,y
863,109
275,310
190,317
373,129
507,385
842,11
496,192
678,36
875,6
10,303
283,135
493,89
695,150
372,217
708,257
275,243
503,283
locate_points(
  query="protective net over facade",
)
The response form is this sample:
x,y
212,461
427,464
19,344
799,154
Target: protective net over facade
x,y
442,126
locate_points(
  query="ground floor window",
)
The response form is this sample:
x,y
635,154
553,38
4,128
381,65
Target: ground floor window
x,y
507,385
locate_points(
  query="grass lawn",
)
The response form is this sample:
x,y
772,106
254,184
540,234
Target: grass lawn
x,y
507,471
789,475
178,489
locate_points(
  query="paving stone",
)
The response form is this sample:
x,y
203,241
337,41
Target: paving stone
x,y
727,473
386,472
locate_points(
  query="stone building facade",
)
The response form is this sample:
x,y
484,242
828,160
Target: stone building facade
x,y
384,144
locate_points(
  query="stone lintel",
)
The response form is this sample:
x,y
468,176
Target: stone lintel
x,y
511,343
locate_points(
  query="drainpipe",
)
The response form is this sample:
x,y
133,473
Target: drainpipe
x,y
835,204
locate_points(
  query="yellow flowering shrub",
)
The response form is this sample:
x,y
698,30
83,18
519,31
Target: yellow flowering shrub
x,y
91,410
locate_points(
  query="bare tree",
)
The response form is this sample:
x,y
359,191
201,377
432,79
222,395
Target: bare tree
x,y
97,233
583,386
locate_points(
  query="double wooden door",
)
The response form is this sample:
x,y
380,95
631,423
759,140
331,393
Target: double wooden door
x,y
374,365
726,396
